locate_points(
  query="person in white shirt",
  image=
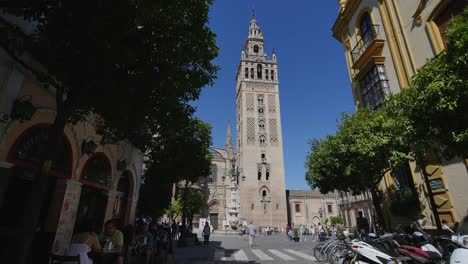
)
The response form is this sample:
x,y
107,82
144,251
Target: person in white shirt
x,y
251,230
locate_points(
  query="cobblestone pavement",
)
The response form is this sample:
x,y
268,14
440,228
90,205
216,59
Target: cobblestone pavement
x,y
231,249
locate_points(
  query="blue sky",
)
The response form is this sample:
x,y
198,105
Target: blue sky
x,y
314,82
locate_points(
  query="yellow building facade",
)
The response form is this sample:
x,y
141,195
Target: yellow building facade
x,y
385,42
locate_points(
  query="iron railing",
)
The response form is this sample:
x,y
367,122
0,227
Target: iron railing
x,y
365,42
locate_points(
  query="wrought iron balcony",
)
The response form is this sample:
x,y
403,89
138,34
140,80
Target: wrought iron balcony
x,y
365,42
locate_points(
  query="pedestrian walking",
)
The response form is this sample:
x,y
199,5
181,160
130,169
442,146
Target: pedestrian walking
x,y
251,230
206,234
362,224
312,231
301,233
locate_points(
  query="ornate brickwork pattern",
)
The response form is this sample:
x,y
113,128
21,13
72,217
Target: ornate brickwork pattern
x,y
251,130
271,103
259,167
249,102
260,86
273,131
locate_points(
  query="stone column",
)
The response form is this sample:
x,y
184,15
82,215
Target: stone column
x,y
131,210
66,221
111,195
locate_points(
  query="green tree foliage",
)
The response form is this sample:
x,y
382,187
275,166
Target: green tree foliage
x,y
357,157
435,107
175,209
195,203
336,220
183,156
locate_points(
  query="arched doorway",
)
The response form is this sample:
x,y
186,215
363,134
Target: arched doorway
x,y
26,156
119,212
96,179
214,213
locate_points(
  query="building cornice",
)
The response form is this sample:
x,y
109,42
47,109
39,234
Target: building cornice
x,y
344,15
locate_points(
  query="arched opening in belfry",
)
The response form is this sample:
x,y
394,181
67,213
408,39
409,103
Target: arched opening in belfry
x,y
259,71
256,48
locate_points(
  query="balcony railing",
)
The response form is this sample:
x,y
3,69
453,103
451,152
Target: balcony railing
x,y
365,41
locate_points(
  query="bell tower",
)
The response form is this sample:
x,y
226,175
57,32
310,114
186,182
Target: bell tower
x,y
259,137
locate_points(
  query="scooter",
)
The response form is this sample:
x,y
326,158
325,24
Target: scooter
x,y
368,254
386,250
459,255
415,243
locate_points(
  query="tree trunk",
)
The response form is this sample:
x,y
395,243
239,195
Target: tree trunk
x,y
35,203
426,175
184,204
377,202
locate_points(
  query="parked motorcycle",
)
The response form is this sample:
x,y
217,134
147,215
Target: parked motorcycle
x,y
418,244
379,252
460,236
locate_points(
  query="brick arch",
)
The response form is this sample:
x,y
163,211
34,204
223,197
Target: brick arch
x,y
214,203
263,188
66,152
362,13
104,158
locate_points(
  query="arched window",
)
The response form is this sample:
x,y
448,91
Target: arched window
x,y
262,140
266,74
259,175
272,74
267,175
246,73
260,110
122,195
264,193
251,73
261,124
260,99
97,171
214,173
365,29
259,71
263,155
256,48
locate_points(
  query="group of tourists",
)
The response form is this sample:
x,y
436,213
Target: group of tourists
x,y
317,231
116,243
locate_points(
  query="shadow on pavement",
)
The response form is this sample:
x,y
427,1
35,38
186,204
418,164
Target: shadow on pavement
x,y
203,254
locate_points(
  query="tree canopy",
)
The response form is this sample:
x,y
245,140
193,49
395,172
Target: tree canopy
x,y
435,107
360,153
183,156
130,62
